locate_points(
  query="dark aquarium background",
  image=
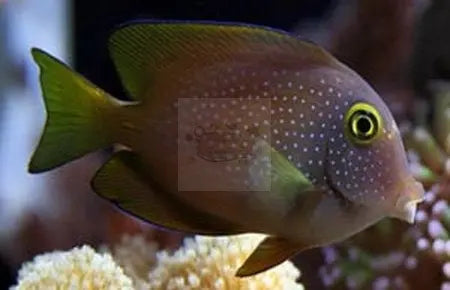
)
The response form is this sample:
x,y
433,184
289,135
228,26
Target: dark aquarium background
x,y
402,47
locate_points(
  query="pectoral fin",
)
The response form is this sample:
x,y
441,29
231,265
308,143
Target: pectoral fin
x,y
269,253
285,179
123,181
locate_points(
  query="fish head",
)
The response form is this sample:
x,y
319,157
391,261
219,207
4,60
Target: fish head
x,y
366,159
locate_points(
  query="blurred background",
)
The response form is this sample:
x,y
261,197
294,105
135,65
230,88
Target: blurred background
x,y
399,46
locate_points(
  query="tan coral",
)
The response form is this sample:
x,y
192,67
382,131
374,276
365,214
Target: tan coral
x,y
79,268
137,256
210,263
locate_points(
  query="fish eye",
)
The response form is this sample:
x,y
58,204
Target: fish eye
x,y
362,123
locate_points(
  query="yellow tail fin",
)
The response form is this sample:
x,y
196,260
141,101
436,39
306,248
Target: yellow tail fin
x,y
77,115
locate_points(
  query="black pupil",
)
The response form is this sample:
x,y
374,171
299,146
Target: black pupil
x,y
363,125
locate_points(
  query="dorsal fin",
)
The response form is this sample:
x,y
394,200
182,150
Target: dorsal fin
x,y
143,50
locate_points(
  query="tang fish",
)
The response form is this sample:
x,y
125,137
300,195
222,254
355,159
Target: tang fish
x,y
232,129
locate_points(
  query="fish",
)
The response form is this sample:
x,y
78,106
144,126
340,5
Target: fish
x,y
232,128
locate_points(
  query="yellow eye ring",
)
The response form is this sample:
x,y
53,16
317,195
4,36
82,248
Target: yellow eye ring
x,y
363,123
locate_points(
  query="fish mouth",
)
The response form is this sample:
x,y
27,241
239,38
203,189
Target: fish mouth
x,y
410,195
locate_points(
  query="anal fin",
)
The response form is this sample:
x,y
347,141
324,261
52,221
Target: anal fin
x,y
269,253
123,181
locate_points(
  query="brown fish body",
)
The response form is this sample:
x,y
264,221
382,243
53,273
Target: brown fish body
x,y
233,129
307,107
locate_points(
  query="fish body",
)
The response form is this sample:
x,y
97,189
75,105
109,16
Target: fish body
x,y
233,129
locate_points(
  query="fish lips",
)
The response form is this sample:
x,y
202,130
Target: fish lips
x,y
410,195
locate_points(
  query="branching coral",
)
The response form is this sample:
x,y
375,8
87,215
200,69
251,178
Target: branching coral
x,y
137,256
79,268
210,263
202,263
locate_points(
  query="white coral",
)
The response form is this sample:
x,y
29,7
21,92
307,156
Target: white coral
x,y
137,257
202,263
79,268
211,263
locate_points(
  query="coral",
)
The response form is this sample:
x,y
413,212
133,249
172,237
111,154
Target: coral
x,y
210,263
134,263
393,255
137,256
79,268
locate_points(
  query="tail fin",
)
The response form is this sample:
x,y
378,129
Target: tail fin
x,y
77,114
